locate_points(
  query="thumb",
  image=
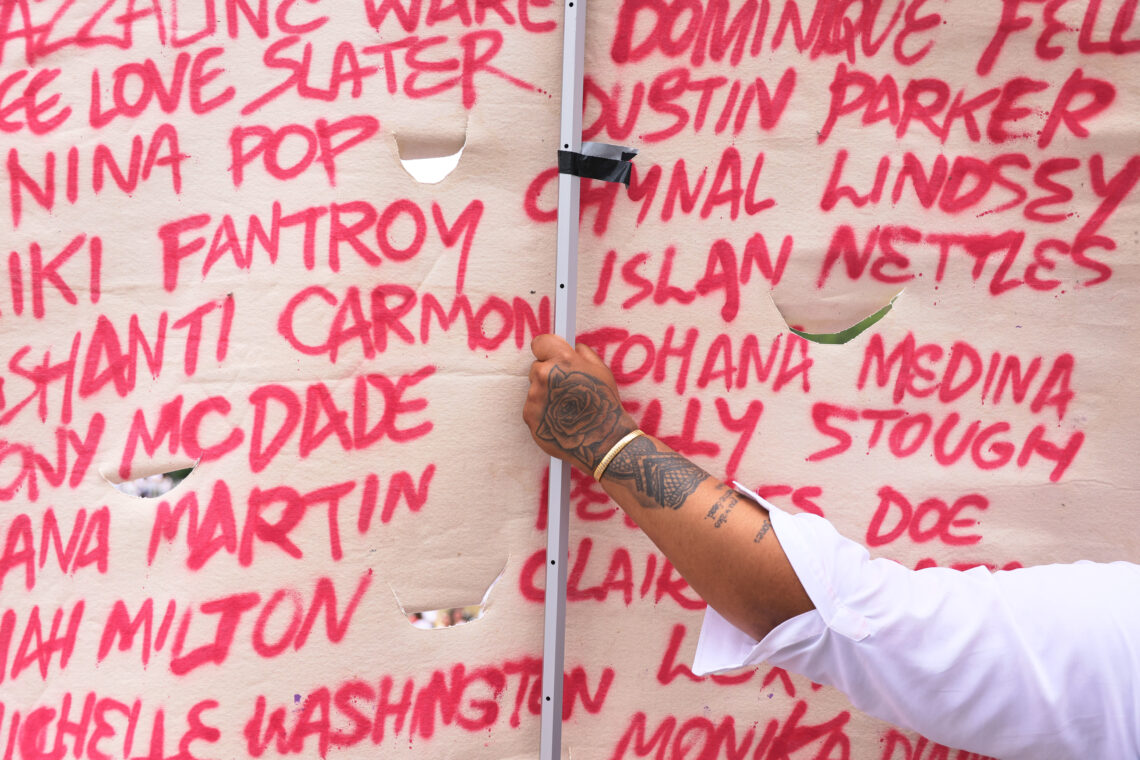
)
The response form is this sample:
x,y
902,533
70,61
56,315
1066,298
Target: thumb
x,y
549,346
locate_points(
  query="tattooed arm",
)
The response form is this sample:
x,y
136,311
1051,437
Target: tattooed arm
x,y
719,541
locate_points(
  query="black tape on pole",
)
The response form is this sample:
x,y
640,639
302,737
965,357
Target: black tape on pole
x,y
602,161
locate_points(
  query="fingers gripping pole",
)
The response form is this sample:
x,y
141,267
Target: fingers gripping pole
x,y
566,289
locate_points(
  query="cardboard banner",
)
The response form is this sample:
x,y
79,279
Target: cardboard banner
x,y
806,164
214,259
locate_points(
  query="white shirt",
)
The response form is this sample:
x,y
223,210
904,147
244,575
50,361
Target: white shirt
x,y
1038,663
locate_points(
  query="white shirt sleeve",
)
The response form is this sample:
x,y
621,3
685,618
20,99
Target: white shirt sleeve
x,y
1035,663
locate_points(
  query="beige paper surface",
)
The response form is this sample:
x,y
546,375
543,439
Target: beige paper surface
x,y
266,293
986,419
215,258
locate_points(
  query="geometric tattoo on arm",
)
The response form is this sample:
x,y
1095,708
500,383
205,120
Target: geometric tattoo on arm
x,y
659,478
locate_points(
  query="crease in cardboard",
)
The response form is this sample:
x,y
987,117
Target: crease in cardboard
x,y
452,616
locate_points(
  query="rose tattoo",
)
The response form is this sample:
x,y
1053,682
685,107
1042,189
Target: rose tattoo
x,y
580,415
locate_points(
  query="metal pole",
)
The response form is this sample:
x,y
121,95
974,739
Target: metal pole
x,y
566,290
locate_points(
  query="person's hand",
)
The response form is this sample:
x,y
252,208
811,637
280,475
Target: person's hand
x,y
573,409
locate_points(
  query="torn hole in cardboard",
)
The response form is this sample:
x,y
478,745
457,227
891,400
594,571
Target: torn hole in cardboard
x,y
449,617
429,159
151,485
847,334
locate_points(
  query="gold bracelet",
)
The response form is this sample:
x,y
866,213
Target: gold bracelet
x,y
600,470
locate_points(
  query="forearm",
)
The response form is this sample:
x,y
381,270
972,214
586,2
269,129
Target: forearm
x,y
721,542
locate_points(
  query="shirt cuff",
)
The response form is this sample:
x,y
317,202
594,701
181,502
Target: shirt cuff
x,y
813,548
